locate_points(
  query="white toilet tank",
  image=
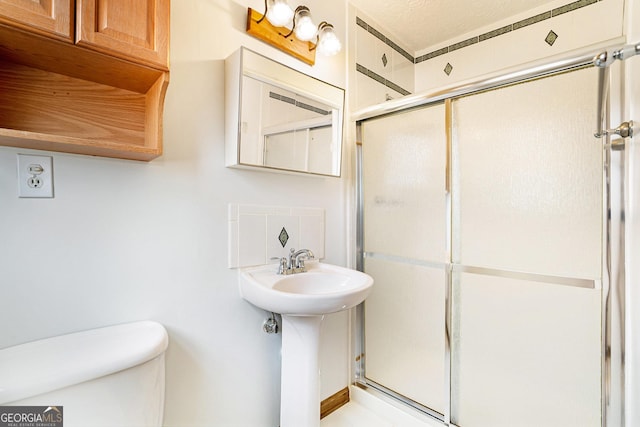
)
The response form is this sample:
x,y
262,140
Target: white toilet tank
x,y
106,377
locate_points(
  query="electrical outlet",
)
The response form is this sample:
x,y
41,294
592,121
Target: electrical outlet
x,y
35,176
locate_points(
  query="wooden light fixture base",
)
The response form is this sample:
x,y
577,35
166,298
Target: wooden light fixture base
x,y
275,36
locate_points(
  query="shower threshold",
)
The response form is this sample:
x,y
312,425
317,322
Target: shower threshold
x,y
368,408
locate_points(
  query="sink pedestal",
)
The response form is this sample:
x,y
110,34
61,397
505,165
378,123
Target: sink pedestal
x,y
300,382
302,299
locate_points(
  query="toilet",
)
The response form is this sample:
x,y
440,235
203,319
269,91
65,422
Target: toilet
x,y
106,377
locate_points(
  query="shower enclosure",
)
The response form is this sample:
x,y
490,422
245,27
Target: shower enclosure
x,y
487,217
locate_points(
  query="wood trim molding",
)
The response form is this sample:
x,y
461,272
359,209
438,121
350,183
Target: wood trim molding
x,y
334,402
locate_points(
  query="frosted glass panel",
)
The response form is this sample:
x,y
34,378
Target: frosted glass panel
x,y
528,173
404,327
525,354
404,178
527,197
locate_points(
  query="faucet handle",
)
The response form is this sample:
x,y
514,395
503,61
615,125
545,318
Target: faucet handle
x,y
282,264
292,257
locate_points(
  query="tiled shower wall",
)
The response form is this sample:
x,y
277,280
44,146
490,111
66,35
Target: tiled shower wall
x,y
384,70
550,30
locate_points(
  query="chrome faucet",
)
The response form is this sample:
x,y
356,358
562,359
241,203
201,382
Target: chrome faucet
x,y
295,262
296,259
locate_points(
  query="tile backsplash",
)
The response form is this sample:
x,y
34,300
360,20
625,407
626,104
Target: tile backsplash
x,y
259,233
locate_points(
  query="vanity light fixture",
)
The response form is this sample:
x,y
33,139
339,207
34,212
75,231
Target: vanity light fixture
x,y
296,41
278,12
303,26
328,42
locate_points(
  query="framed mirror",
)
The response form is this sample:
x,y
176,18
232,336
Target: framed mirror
x,y
280,119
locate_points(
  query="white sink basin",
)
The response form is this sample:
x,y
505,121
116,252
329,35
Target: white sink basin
x,y
322,289
303,299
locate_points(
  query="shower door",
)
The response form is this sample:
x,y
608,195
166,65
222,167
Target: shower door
x,y
406,252
483,224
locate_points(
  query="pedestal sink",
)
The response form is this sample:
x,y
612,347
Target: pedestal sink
x,y
303,299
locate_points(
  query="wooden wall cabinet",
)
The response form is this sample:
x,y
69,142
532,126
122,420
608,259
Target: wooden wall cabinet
x,y
135,30
52,18
100,91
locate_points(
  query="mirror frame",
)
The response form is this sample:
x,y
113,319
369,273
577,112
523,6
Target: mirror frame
x,y
247,63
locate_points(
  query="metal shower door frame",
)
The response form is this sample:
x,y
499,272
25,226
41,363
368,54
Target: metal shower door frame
x,y
613,282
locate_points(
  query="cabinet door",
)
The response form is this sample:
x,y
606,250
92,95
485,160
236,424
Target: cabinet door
x,y
52,18
134,30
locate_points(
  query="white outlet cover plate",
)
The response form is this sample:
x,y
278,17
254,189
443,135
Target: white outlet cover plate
x,y
46,177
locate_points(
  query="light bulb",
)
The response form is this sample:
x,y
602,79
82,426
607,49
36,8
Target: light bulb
x,y
305,29
279,13
328,42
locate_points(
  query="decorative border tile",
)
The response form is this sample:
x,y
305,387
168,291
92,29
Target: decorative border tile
x,y
495,33
533,20
298,104
432,55
464,43
361,23
570,7
377,77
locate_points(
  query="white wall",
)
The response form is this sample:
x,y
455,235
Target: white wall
x,y
125,240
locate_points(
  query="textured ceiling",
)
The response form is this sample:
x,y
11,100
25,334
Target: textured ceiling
x,y
419,24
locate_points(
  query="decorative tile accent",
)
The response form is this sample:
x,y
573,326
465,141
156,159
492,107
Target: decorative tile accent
x,y
432,55
258,233
570,7
550,39
495,33
464,43
533,20
392,85
360,22
299,104
275,224
283,238
400,50
377,77
377,34
312,108
448,69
